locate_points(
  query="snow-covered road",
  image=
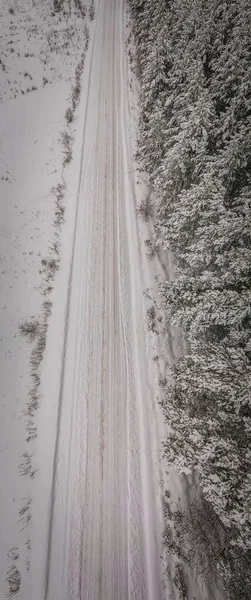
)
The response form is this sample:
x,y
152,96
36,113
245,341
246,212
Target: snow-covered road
x,y
104,527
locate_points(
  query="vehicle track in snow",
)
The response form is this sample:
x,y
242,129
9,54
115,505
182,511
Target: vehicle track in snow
x,y
103,541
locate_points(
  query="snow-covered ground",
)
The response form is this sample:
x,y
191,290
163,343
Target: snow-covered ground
x,y
32,163
105,527
81,501
31,157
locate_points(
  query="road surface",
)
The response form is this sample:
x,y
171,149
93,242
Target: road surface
x,y
104,530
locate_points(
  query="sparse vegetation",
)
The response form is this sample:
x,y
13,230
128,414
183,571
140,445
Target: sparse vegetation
x,y
76,95
69,115
13,553
80,7
86,34
59,192
28,544
66,139
179,582
151,248
25,466
2,65
58,5
151,319
35,330
195,535
31,431
25,513
91,11
14,581
145,210
30,329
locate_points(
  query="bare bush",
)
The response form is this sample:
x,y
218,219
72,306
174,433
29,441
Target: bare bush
x,y
31,431
14,581
179,582
76,91
151,248
86,32
25,467
25,513
33,403
59,191
13,553
35,360
66,139
80,7
30,329
145,210
54,247
58,5
195,535
51,266
91,11
203,535
47,307
28,544
151,319
69,115
2,65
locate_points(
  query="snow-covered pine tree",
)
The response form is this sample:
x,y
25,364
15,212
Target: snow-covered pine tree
x,y
208,413
195,141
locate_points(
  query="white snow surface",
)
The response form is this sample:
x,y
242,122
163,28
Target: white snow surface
x,y
104,536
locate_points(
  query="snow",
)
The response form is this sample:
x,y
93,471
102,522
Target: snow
x,y
30,165
31,160
96,516
110,542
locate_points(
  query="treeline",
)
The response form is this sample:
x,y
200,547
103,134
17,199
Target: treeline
x,y
194,60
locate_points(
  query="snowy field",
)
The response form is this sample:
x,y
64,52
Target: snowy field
x,y
32,155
